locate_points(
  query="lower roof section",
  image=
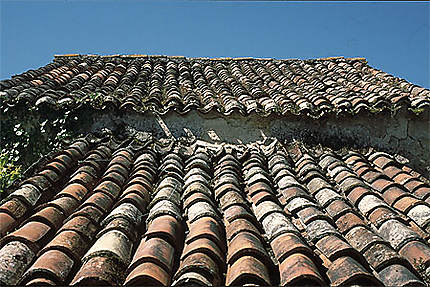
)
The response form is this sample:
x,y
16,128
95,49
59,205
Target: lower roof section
x,y
175,211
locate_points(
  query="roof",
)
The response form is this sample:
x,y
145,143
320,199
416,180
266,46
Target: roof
x,y
145,211
161,84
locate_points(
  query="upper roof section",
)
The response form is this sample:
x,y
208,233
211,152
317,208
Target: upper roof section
x,y
227,85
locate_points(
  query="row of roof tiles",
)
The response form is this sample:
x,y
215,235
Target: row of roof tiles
x,y
103,213
247,86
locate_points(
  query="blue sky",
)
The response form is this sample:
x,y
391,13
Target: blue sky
x,y
393,36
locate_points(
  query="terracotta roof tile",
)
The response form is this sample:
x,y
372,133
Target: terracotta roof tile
x,y
247,214
148,274
227,85
298,269
53,264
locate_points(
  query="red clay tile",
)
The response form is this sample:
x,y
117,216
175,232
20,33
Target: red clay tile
x,y
34,234
201,209
115,177
381,184
51,264
196,197
154,250
15,207
398,275
333,247
70,242
15,258
147,274
206,246
247,270
83,225
299,269
7,223
350,184
317,184
236,211
49,215
51,175
392,194
298,203
266,208
40,182
202,264
357,194
416,251
362,238
258,187
74,190
206,227
344,174
396,233
65,160
116,167
347,271
27,193
348,221
277,223
142,174
84,178
231,198
239,225
224,188
311,213
380,215
139,190
286,244
380,255
402,177
392,171
99,270
244,244
372,175
91,212
100,200
121,224
65,204
261,196
413,185
406,203
317,229
108,187
382,161
166,227
41,282
423,193
113,242
72,153
337,208
56,166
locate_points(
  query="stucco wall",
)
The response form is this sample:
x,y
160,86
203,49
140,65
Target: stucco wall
x,y
404,133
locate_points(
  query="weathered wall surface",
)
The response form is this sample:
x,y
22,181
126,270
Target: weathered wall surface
x,y
405,133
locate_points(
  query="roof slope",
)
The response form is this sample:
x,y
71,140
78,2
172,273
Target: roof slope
x,y
244,85
174,213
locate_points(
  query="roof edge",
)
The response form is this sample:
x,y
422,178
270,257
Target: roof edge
x,y
143,56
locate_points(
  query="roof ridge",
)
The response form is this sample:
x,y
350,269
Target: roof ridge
x,y
57,56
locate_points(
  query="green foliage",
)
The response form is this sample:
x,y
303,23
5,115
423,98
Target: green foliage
x,y
95,99
9,171
28,136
